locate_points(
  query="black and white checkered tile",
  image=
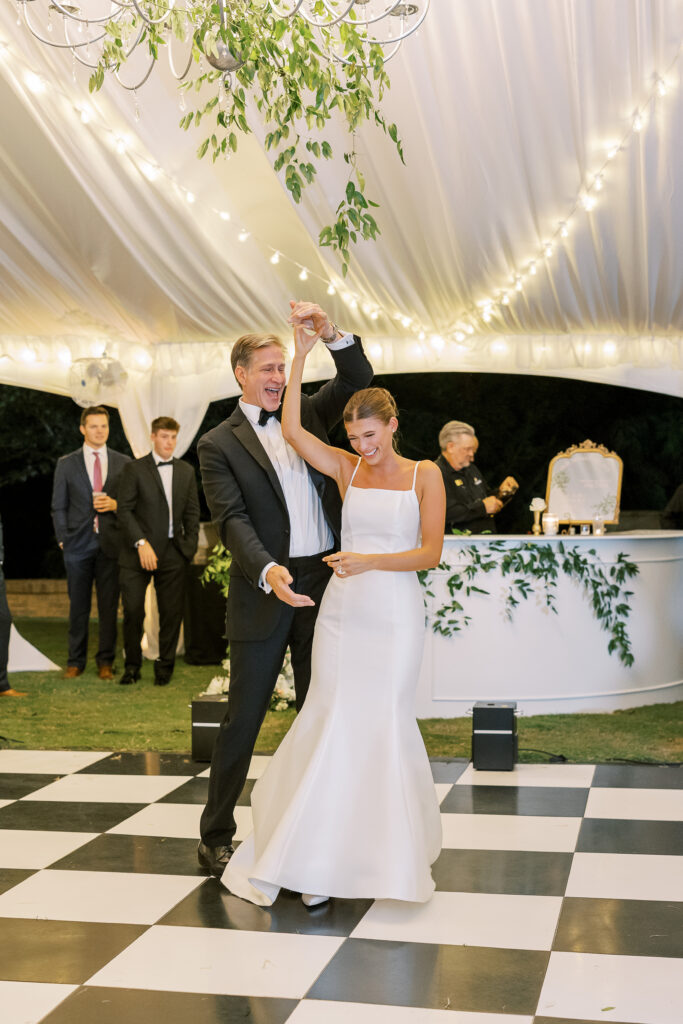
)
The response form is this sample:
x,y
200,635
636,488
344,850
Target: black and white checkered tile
x,y
559,896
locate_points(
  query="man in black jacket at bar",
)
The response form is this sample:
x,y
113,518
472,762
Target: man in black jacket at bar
x,y
470,505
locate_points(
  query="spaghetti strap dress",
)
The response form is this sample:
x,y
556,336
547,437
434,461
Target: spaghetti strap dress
x,y
347,806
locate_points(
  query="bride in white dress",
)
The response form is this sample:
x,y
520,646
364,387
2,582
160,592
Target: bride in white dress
x,y
347,806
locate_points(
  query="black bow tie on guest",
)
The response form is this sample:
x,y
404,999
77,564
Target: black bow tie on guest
x,y
169,463
265,415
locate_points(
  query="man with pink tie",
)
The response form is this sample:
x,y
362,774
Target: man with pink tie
x,y
84,517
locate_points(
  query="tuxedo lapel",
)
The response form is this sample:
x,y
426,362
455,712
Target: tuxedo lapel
x,y
151,466
246,435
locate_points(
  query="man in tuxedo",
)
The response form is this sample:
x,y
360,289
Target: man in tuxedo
x,y
84,517
278,517
159,518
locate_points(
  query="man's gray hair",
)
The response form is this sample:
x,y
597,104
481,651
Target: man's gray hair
x,y
452,431
244,348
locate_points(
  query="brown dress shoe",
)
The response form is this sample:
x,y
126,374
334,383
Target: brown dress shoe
x,y
105,672
72,671
12,693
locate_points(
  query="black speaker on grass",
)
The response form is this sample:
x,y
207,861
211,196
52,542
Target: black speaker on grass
x,y
494,735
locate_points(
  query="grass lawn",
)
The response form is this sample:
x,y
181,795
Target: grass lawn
x,y
89,714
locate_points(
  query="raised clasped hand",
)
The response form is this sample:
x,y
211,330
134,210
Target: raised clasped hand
x,y
348,563
280,579
309,316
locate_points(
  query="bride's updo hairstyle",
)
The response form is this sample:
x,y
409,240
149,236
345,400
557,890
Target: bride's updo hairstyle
x,y
371,403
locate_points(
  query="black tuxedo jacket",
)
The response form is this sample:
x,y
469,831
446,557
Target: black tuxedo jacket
x,y
73,514
143,510
247,503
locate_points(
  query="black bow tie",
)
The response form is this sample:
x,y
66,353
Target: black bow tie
x,y
265,415
169,463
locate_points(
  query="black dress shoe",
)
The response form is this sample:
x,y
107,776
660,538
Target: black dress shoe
x,y
129,677
214,858
160,680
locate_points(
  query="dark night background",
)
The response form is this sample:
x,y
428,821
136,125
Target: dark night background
x,y
521,423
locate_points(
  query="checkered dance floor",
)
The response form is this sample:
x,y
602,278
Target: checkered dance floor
x,y
558,898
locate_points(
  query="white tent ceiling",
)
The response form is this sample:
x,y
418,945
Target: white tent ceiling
x,y
507,110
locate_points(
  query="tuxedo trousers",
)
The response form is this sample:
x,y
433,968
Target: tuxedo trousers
x,y
82,570
169,584
254,668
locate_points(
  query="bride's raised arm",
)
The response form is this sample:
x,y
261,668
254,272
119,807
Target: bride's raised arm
x,y
330,461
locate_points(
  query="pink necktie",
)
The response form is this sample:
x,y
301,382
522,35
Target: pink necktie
x,y
97,485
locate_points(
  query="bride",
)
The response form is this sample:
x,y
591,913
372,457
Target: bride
x,y
347,806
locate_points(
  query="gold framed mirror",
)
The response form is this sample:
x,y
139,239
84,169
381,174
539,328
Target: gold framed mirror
x,y
584,483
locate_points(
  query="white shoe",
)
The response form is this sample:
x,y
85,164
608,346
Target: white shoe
x,y
309,900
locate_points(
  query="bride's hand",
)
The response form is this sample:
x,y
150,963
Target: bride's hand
x,y
348,563
303,340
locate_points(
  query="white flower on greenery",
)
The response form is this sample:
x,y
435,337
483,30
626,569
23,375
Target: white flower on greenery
x,y
281,705
219,684
225,664
537,505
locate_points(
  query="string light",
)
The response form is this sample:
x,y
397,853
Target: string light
x,y
275,258
586,198
303,275
152,172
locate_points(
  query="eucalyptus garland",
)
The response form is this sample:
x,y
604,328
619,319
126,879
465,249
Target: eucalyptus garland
x,y
298,89
530,568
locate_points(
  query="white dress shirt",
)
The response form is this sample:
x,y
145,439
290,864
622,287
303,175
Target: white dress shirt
x,y
310,533
167,483
89,456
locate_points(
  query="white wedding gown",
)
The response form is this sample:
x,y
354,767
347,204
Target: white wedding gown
x,y
347,806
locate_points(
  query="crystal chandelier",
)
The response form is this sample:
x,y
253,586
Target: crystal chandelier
x,y
82,28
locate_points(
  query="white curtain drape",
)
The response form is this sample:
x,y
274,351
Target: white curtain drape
x,y
507,110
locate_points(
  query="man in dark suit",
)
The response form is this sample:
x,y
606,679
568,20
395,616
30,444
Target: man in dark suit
x,y
84,517
159,517
278,517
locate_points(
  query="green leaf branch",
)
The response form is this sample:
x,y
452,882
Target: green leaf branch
x,y
530,568
297,88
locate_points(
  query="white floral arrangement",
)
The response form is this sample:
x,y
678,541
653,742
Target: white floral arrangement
x,y
537,505
283,696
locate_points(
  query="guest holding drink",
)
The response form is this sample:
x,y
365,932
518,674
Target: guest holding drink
x,y
85,523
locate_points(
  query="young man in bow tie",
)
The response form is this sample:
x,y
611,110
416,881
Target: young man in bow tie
x,y
159,519
84,517
278,517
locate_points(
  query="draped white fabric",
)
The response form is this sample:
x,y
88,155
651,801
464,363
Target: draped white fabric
x,y
505,108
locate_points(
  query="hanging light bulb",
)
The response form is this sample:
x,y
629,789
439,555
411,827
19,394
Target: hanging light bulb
x,y
564,229
598,183
638,123
224,215
459,335
303,276
374,314
588,202
275,258
331,290
243,236
548,250
532,267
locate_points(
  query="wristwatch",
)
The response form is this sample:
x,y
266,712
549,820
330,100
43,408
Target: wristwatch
x,y
333,336
139,543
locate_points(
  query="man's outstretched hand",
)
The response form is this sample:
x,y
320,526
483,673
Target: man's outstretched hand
x,y
279,578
